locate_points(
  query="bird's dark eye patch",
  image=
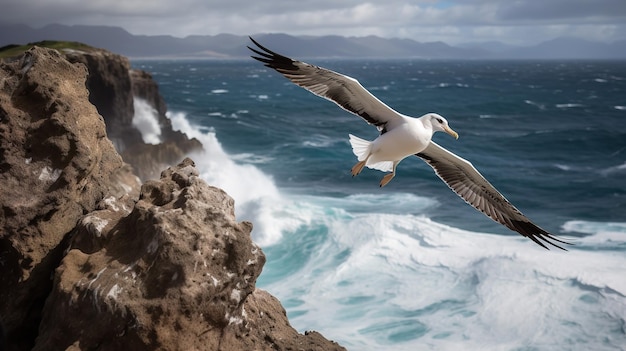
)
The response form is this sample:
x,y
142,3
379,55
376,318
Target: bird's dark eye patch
x,y
439,120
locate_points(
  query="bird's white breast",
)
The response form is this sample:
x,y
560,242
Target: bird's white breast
x,y
404,140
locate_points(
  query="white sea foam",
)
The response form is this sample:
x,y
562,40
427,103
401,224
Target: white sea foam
x,y
255,194
252,158
146,120
533,103
610,234
568,105
318,140
563,167
405,282
261,97
613,169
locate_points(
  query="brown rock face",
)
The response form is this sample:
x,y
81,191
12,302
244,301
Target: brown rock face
x,y
56,164
87,262
109,86
176,273
112,87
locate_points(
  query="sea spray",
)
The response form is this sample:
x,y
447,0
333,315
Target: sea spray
x,y
146,121
255,194
378,281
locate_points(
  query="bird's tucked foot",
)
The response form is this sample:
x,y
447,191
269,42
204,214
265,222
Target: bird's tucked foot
x,y
358,167
386,179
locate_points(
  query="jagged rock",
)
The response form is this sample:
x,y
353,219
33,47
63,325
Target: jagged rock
x,y
176,273
112,86
56,164
109,88
168,270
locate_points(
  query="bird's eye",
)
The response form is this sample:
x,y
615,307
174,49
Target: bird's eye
x,y
439,120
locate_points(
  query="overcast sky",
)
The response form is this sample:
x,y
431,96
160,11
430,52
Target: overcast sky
x,y
452,21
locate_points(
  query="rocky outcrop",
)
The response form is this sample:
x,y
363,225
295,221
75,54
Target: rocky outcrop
x,y
113,86
176,273
90,262
109,85
56,164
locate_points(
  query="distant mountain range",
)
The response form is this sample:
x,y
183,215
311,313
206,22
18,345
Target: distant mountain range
x,y
120,41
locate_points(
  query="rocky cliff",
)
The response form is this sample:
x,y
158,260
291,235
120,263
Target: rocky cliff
x,y
92,259
113,86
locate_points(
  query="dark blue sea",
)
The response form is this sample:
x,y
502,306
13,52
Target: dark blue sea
x,y
410,266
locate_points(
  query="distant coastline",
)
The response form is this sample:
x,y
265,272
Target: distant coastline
x,y
226,46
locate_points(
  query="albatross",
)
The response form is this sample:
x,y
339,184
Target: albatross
x,y
402,136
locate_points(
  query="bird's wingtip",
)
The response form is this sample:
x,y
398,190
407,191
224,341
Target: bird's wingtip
x,y
538,235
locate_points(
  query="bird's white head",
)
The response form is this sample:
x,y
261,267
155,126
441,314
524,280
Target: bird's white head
x,y
439,124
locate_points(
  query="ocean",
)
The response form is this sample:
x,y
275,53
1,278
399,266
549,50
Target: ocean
x,y
410,266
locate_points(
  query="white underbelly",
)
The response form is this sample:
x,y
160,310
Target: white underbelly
x,y
397,144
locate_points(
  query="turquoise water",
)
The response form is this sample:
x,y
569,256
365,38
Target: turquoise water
x,y
411,266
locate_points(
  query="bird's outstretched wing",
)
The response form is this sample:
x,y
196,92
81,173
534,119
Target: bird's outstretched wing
x,y
471,186
345,91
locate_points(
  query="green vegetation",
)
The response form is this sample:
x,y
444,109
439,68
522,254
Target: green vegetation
x,y
15,50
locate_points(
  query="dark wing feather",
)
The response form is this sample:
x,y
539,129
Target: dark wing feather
x,y
471,186
345,91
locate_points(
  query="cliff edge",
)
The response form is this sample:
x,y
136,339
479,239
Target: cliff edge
x,y
93,259
114,89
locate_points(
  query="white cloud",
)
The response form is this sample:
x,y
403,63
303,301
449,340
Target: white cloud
x,y
453,21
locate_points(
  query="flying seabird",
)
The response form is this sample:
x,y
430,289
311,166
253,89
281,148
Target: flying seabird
x,y
402,136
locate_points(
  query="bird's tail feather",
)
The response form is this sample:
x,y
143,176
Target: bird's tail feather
x,y
360,147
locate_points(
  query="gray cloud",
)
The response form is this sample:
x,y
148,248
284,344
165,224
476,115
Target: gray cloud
x,y
453,21
597,11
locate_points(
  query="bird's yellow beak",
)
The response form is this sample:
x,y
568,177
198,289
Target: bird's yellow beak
x,y
449,130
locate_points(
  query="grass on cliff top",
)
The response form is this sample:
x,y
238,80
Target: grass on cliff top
x,y
15,50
